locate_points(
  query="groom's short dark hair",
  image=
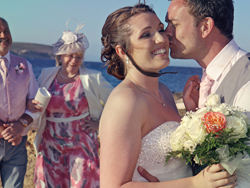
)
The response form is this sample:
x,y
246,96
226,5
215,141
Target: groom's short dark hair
x,y
222,12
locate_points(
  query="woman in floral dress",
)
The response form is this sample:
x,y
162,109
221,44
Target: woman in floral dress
x,y
66,141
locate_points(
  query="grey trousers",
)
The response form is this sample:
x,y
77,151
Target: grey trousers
x,y
13,161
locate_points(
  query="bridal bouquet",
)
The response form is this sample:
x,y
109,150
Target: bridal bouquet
x,y
217,133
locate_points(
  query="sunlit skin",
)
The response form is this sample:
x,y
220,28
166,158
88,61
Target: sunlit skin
x,y
5,38
130,113
149,42
192,39
183,31
185,38
71,63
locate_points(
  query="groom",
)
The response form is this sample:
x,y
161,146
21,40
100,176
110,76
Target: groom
x,y
202,30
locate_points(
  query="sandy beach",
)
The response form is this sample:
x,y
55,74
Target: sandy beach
x,y
29,177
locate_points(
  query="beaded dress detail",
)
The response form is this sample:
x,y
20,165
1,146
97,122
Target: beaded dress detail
x,y
154,148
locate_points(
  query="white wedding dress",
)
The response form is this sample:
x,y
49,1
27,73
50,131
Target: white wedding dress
x,y
155,146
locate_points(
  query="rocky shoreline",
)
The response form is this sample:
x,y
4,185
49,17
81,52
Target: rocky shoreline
x,y
32,51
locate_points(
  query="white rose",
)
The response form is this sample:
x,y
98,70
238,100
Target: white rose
x,y
195,129
177,138
223,108
190,145
242,115
200,113
239,126
69,37
213,100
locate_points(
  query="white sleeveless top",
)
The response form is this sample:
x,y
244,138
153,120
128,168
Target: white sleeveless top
x,y
155,146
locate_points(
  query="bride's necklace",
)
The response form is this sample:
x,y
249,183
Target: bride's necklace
x,y
67,77
142,89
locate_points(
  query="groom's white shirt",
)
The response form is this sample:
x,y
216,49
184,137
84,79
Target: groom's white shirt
x,y
221,65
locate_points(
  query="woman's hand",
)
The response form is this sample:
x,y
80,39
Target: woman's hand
x,y
191,93
215,176
33,106
90,125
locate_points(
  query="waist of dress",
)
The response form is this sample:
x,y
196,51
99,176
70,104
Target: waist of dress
x,y
53,119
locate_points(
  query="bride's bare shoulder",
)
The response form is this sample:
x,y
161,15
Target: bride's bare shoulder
x,y
126,94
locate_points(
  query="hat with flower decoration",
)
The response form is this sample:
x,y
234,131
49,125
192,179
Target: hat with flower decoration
x,y
71,42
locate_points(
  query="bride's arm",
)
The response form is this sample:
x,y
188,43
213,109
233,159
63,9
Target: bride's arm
x,y
120,137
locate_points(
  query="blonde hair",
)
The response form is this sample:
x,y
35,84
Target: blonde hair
x,y
58,58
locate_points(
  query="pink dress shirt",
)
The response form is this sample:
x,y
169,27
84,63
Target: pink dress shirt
x,y
220,66
11,112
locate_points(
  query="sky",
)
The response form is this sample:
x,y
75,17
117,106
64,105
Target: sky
x,y
43,21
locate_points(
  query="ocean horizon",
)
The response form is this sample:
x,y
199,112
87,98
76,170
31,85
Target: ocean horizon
x,y
175,82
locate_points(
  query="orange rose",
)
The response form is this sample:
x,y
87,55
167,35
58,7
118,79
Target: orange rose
x,y
214,121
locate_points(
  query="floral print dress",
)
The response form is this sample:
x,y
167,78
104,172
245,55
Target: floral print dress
x,y
68,154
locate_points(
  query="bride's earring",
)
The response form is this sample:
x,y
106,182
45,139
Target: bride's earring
x,y
127,60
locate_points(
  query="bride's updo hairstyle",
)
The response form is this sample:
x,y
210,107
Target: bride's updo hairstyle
x,y
116,31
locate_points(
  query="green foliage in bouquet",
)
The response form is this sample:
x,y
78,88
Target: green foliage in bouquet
x,y
216,133
205,152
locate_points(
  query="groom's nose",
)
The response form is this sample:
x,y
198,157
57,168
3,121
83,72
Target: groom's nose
x,y
169,31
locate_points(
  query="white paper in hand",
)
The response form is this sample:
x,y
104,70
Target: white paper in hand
x,y
43,96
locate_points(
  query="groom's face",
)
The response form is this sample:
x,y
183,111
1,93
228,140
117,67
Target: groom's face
x,y
183,31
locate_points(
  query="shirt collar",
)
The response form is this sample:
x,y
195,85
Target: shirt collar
x,y
7,56
222,59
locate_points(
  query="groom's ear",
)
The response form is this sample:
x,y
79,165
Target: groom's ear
x,y
207,25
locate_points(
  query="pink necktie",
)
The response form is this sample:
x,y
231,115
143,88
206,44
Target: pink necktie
x,y
205,89
4,65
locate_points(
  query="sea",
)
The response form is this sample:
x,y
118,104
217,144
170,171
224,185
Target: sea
x,y
175,81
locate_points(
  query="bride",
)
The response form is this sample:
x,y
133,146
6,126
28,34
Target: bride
x,y
140,113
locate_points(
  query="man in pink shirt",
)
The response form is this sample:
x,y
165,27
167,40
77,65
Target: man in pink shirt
x,y
203,31
17,83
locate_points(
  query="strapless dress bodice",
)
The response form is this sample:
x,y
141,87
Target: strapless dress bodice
x,y
154,148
